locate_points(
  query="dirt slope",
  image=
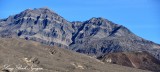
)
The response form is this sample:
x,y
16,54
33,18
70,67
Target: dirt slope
x,y
140,60
17,55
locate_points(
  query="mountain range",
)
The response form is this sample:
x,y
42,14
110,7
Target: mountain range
x,y
96,37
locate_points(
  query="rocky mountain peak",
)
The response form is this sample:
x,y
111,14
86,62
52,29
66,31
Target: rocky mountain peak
x,y
45,11
97,20
39,10
39,24
42,13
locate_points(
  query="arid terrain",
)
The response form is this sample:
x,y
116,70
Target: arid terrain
x,y
141,60
16,54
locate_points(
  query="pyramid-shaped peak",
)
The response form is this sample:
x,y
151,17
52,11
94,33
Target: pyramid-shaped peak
x,y
38,14
43,10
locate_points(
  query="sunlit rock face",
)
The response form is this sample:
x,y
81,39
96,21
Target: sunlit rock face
x,y
42,25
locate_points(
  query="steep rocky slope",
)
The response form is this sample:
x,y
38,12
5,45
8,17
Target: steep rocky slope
x,y
141,60
42,25
95,37
17,55
99,36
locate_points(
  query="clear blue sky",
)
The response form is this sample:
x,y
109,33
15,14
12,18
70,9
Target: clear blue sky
x,y
142,17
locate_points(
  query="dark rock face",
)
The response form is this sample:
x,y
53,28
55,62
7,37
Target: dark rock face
x,y
141,60
99,36
95,37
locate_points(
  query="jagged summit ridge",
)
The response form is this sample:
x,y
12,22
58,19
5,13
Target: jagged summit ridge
x,y
41,25
39,14
95,37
